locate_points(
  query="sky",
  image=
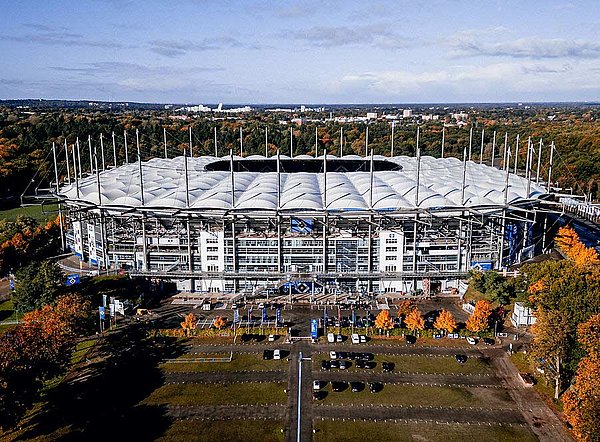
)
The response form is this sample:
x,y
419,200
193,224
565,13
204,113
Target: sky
x,y
324,51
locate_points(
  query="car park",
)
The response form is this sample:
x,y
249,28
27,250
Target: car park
x,y
277,354
325,365
375,387
461,359
267,355
471,340
357,386
339,386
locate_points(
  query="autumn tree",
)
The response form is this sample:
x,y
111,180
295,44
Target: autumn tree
x,y
414,320
550,342
405,307
479,319
588,335
383,321
445,321
219,322
568,241
189,323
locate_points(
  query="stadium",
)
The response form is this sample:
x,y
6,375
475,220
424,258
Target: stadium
x,y
304,225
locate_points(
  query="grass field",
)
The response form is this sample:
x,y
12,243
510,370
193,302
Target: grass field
x,y
420,364
49,211
250,362
219,394
219,431
329,431
6,314
546,390
415,395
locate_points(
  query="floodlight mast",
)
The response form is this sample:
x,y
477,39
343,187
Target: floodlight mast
x,y
91,159
392,147
443,141
539,163
493,148
165,141
79,159
470,141
126,150
68,165
481,150
114,149
516,154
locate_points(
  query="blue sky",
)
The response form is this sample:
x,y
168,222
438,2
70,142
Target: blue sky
x,y
201,51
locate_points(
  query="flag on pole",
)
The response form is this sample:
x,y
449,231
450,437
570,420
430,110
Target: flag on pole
x,y
340,315
250,314
236,316
325,315
277,316
264,314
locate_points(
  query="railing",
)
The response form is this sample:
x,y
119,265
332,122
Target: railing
x,y
591,212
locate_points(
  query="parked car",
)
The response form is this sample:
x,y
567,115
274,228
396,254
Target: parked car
x,y
355,338
277,354
360,364
272,338
461,359
334,364
330,337
387,367
357,386
367,356
471,340
342,355
317,385
410,339
488,341
339,386
339,338
319,395
363,339
267,355
370,365
344,365
333,355
325,365
375,387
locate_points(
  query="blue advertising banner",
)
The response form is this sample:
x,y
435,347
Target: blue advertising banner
x,y
353,316
302,225
72,280
314,328
11,284
236,316
481,265
101,311
264,314
325,315
277,317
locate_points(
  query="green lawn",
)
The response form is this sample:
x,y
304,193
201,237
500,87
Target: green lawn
x,y
6,314
219,394
219,431
542,386
81,349
329,431
49,212
241,361
420,364
415,395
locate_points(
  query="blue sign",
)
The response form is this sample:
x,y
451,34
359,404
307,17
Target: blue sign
x,y
277,317
314,328
101,311
236,316
302,225
72,280
481,265
353,316
11,284
264,314
301,287
325,315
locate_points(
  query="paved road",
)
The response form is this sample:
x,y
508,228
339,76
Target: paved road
x,y
306,415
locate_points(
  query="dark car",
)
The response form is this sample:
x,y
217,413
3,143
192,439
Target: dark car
x,y
325,365
360,364
247,337
339,386
461,359
357,386
334,364
319,395
344,365
410,339
367,356
375,387
267,354
488,341
387,367
342,355
370,365
353,356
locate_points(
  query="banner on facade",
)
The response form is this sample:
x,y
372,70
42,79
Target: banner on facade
x,y
91,239
78,239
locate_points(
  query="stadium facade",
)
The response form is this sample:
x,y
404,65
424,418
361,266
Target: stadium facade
x,y
363,225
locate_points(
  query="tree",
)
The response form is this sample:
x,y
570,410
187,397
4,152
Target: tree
x,y
414,320
37,284
445,321
588,335
568,241
479,319
405,307
189,323
219,322
550,341
582,402
383,321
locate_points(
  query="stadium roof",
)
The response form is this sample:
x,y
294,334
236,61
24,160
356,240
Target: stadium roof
x,y
393,190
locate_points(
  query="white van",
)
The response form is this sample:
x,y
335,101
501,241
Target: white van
x,y
330,337
277,354
355,338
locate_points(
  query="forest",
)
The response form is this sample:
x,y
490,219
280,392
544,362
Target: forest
x,y
26,137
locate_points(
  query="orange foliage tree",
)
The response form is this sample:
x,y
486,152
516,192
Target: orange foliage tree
x,y
568,241
414,320
219,322
189,323
479,320
383,321
405,307
445,321
588,335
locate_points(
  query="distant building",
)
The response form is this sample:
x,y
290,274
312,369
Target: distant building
x,y
371,115
407,113
522,316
